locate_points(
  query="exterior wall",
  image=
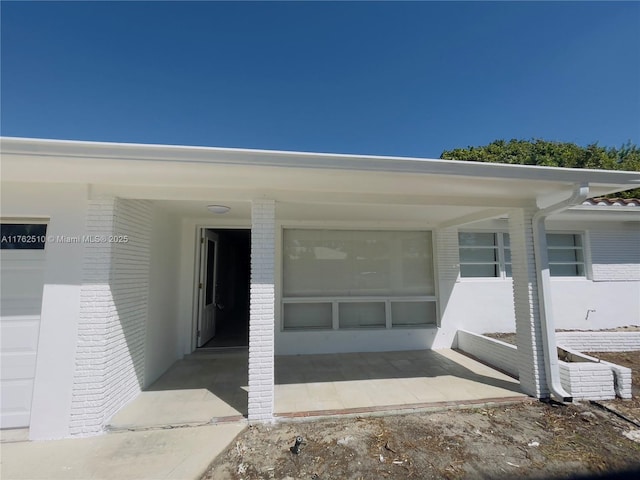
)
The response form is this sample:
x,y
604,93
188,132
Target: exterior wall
x,y
335,341
607,298
113,312
66,208
482,306
600,341
615,254
494,352
261,311
162,329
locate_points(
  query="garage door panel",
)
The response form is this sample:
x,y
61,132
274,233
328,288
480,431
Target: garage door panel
x,y
25,283
20,336
19,309
22,279
18,366
16,403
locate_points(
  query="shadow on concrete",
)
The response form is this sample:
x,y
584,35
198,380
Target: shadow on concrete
x,y
212,385
383,365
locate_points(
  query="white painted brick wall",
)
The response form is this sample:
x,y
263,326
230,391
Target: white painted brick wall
x,y
587,381
600,341
448,265
113,313
494,352
262,311
615,255
525,297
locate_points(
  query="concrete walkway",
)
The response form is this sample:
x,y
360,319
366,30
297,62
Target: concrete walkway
x,y
179,454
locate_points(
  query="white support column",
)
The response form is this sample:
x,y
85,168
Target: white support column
x,y
525,297
262,311
448,262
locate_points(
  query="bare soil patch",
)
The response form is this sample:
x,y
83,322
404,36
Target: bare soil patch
x,y
511,337
630,408
528,439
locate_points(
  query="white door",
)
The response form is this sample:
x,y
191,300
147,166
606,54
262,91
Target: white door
x,y
207,287
22,278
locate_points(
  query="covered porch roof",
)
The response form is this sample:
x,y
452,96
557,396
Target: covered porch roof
x,y
307,186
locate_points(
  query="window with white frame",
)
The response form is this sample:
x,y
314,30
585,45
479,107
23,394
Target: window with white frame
x,y
484,254
566,255
351,279
488,254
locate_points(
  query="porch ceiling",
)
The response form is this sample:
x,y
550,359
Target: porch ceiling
x,y
329,213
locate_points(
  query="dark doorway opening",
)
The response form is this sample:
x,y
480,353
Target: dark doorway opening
x,y
232,274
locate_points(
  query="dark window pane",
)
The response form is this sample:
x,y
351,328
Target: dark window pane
x,y
23,236
479,271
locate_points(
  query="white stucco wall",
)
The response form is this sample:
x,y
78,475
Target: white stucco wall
x,y
162,329
66,207
610,294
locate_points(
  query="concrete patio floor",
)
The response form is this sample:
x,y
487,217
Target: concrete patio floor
x,y
210,387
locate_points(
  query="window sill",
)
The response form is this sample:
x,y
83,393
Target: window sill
x,y
483,279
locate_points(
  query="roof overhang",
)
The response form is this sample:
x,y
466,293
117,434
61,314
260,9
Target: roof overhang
x,y
188,173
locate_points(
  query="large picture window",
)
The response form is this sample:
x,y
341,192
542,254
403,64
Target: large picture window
x,y
345,279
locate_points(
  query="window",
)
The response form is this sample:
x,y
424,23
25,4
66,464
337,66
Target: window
x,y
350,279
566,257
23,236
484,254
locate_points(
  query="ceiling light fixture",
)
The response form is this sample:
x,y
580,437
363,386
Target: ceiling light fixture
x,y
218,209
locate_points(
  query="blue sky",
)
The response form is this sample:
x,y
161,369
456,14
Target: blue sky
x,y
384,78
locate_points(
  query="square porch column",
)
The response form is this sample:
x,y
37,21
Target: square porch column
x,y
525,300
262,311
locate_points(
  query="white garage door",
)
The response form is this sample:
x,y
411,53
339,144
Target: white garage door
x,y
21,277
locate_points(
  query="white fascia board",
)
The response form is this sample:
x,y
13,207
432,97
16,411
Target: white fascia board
x,y
615,180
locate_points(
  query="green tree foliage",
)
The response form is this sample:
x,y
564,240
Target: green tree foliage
x,y
554,154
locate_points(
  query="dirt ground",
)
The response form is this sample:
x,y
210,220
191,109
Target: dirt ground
x,y
629,408
527,439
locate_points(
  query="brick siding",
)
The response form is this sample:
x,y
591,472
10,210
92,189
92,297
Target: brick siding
x,y
113,312
262,312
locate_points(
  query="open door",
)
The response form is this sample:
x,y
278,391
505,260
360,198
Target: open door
x,y
207,290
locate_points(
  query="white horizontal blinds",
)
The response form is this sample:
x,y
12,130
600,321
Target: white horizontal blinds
x,y
343,263
566,257
356,273
479,254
